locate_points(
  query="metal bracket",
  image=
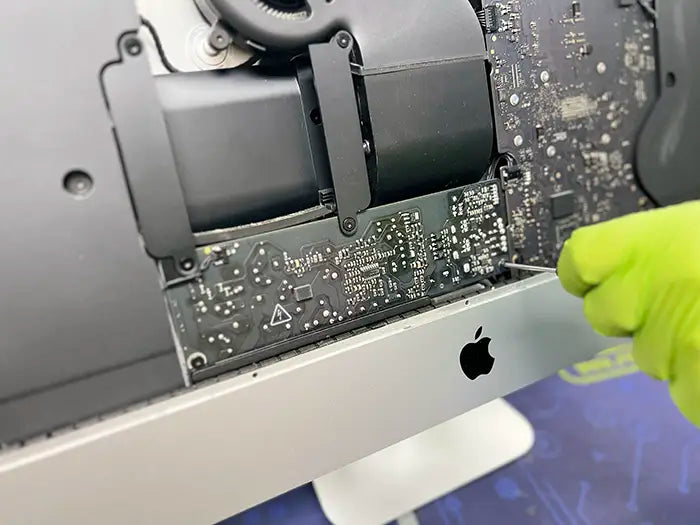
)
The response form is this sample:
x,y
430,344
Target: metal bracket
x,y
147,156
341,127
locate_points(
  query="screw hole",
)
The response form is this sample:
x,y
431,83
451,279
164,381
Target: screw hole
x,y
133,46
315,116
255,374
186,265
196,361
78,183
670,79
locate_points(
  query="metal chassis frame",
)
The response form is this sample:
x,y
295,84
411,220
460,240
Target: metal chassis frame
x,y
218,449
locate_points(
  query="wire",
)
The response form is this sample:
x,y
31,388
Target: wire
x,y
159,45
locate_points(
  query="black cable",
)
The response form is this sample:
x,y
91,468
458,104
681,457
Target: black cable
x,y
159,45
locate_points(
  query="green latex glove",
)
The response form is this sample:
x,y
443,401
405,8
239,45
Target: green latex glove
x,y
639,276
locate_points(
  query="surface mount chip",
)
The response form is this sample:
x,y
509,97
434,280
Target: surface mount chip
x,y
563,204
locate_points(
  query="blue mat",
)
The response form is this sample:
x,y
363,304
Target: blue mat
x,y
610,449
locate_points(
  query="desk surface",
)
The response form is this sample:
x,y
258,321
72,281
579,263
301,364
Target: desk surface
x,y
610,449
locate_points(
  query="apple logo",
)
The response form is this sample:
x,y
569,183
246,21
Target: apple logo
x,y
475,358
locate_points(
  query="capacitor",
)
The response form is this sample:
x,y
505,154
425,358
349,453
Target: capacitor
x,y
576,8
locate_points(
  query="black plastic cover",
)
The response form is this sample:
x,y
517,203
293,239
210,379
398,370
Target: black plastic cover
x,y
432,128
241,145
667,149
82,317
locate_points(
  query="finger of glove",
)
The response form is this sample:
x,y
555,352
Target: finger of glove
x,y
615,307
685,373
685,386
668,320
594,253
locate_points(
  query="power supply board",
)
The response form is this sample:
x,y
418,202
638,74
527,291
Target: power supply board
x,y
572,83
259,296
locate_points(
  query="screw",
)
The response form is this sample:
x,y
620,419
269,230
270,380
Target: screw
x,y
218,39
132,45
349,224
366,147
344,40
186,264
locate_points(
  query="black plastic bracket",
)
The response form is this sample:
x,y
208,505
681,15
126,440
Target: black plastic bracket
x,y
330,63
148,159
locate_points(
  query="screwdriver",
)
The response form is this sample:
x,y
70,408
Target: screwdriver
x,y
528,268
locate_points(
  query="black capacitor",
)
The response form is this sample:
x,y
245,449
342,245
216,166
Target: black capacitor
x,y
576,8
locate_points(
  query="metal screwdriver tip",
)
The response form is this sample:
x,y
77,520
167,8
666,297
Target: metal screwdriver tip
x,y
528,268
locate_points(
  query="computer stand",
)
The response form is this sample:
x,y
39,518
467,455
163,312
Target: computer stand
x,y
394,481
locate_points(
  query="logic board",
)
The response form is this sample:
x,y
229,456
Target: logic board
x,y
259,296
572,83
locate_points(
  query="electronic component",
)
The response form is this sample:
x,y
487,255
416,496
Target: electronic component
x,y
576,8
563,204
269,293
586,49
511,172
578,106
303,293
490,19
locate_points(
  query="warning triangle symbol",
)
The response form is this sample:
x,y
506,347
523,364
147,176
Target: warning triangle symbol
x,y
280,316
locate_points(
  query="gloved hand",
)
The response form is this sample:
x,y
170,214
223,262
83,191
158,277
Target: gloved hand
x,y
639,276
